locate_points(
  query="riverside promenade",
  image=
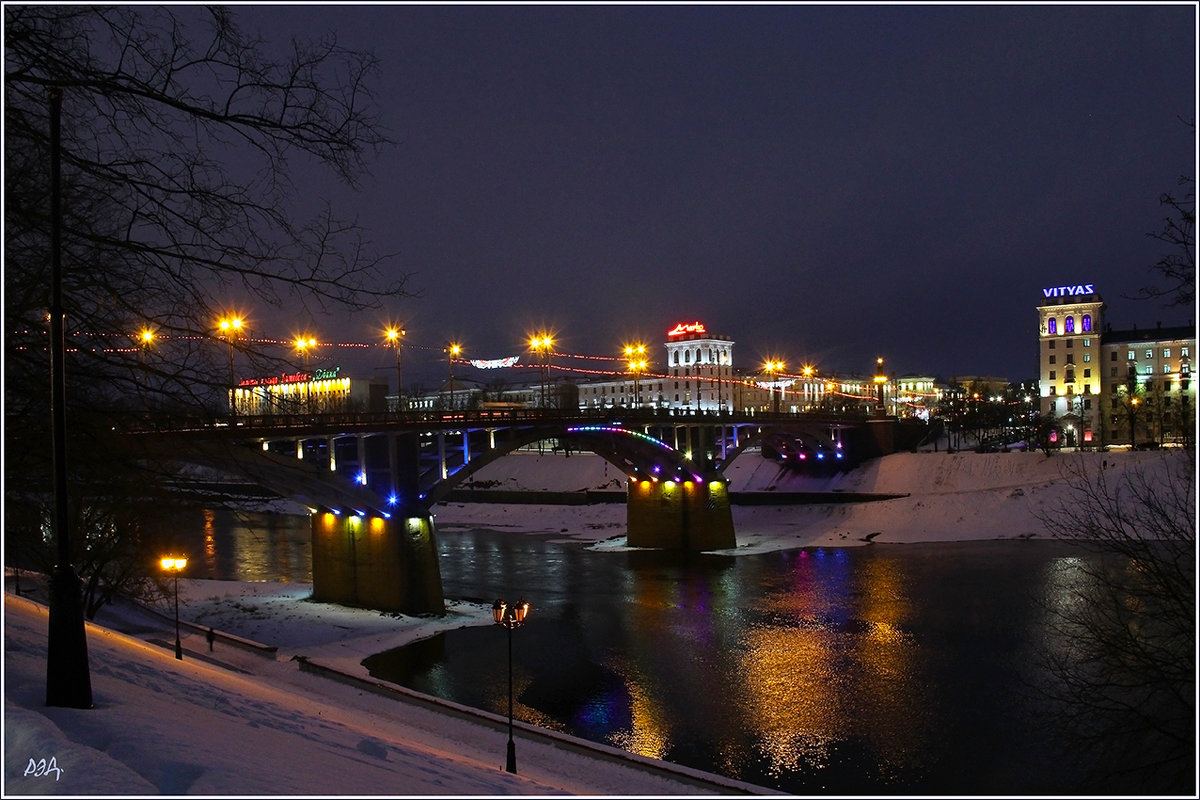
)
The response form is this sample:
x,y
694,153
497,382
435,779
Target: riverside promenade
x,y
240,720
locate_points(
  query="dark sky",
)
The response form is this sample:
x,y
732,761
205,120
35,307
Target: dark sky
x,y
821,184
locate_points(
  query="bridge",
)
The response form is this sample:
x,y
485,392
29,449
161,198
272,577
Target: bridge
x,y
370,480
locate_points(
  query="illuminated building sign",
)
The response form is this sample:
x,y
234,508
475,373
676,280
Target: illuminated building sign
x,y
1069,291
685,327
292,377
495,363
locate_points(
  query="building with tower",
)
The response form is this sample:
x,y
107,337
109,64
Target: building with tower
x,y
1100,386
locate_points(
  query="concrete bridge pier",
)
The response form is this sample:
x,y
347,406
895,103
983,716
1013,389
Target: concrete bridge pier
x,y
689,515
384,563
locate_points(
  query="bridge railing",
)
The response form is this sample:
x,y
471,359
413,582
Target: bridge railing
x,y
169,423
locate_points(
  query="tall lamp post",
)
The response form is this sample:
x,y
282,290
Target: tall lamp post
x,y
395,336
880,380
541,345
452,352
175,565
68,678
231,328
510,617
304,346
773,368
636,354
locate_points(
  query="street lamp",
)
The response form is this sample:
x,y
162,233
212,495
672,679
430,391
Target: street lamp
x,y
636,354
231,328
175,565
304,345
452,351
147,338
880,380
772,368
395,336
510,617
541,345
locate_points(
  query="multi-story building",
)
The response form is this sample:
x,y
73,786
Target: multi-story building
x,y
322,391
1105,386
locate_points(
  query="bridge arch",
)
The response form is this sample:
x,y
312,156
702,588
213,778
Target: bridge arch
x,y
638,455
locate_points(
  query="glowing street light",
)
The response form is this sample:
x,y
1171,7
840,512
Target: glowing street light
x,y
453,349
231,329
510,617
146,337
542,344
636,355
773,368
175,564
880,380
394,337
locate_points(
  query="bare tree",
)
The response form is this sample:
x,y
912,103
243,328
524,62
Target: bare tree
x,y
1177,266
1123,654
179,136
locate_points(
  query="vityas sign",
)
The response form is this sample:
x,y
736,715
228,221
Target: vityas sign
x,y
1070,291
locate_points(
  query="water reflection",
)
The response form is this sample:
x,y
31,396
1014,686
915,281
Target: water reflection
x,y
223,544
882,669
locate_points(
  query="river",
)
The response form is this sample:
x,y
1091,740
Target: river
x,y
882,669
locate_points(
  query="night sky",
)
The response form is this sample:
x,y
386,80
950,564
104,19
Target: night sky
x,y
824,185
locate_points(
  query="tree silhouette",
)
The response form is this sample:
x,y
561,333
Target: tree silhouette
x,y
180,137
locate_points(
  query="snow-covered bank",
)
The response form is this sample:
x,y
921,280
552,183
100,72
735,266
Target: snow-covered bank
x,y
948,497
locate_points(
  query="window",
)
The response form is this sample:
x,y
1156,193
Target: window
x,y
1113,355
1132,356
1070,344
1069,325
1053,359
1087,357
1183,351
1166,352
1087,373
1149,370
1112,373
1087,323
1185,368
1149,354
1053,391
1052,325
1052,343
1087,342
1166,369
1053,374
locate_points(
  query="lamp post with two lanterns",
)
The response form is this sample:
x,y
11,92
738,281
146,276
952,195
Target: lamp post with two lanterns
x,y
175,564
636,355
541,345
510,617
230,328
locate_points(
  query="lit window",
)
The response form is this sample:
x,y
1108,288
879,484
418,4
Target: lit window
x,y
1052,325
1166,369
1149,354
1069,325
1132,356
1183,351
1166,352
1087,323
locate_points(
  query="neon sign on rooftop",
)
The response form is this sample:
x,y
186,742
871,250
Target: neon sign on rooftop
x,y
686,327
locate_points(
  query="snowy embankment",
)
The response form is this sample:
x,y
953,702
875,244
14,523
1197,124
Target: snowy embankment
x,y
945,497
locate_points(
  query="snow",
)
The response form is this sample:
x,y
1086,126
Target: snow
x,y
247,720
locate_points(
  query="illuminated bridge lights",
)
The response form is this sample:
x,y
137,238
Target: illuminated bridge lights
x,y
614,429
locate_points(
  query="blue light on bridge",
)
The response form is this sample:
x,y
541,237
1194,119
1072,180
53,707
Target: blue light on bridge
x,y
392,499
